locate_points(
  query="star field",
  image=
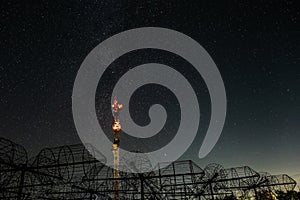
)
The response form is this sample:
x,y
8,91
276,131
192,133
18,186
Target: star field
x,y
254,44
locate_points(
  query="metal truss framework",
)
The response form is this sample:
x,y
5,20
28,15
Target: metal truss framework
x,y
72,172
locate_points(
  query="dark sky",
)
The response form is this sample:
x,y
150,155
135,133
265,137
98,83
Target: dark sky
x,y
255,45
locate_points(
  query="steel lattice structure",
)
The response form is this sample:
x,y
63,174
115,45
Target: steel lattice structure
x,y
72,172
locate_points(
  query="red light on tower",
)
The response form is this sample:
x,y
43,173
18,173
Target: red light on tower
x,y
116,126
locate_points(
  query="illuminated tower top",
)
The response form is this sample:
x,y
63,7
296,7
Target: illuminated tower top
x,y
115,109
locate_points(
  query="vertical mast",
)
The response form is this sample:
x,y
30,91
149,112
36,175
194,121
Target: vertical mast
x,y
116,127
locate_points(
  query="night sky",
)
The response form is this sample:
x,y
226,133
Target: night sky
x,y
255,45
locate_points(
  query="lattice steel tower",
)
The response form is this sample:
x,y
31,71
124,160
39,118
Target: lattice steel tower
x,y
116,127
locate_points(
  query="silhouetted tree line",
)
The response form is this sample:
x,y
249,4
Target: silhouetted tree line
x,y
290,195
268,195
